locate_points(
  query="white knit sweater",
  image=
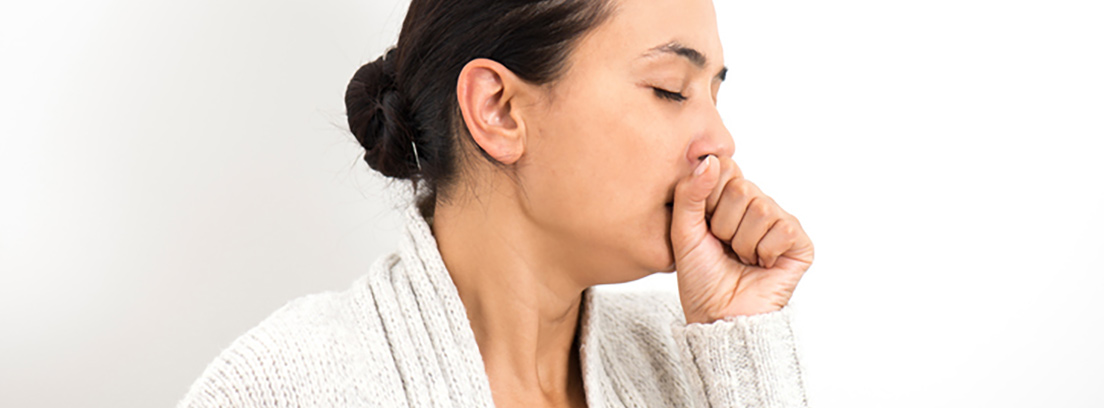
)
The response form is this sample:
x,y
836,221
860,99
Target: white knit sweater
x,y
401,337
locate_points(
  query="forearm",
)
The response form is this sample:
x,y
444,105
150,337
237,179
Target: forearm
x,y
747,361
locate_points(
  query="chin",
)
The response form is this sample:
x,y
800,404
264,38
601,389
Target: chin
x,y
670,265
653,253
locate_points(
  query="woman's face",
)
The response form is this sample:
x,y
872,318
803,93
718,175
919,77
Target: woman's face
x,y
603,156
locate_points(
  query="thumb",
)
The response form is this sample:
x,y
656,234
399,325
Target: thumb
x,y
688,225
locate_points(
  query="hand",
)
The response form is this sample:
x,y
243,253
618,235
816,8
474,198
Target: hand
x,y
736,251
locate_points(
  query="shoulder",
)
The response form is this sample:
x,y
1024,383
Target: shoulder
x,y
305,353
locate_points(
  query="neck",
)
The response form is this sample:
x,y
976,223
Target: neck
x,y
521,299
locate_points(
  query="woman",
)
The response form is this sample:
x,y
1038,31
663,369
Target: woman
x,y
554,145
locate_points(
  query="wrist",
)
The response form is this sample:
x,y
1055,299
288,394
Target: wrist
x,y
707,318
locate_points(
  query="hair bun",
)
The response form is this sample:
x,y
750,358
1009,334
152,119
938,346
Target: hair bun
x,y
379,117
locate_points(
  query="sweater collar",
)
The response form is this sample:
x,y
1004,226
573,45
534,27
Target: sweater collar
x,y
421,243
424,244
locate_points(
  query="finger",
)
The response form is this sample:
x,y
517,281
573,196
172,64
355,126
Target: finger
x,y
778,240
688,225
736,195
729,171
760,216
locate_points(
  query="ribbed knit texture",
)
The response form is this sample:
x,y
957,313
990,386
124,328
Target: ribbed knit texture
x,y
400,337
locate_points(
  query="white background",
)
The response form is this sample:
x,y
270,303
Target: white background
x,y
172,173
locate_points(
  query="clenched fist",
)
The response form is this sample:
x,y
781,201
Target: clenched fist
x,y
737,252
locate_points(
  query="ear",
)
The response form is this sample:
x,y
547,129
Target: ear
x,y
488,94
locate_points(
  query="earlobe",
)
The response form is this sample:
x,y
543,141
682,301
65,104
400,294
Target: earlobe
x,y
487,93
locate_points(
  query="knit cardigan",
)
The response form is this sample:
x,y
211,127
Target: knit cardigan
x,y
400,337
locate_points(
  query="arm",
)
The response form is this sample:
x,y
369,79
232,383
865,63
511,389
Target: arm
x,y
746,361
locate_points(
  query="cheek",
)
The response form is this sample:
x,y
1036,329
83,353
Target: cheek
x,y
628,202
623,166
643,165
600,176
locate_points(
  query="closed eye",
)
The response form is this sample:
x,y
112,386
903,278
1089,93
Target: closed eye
x,y
665,94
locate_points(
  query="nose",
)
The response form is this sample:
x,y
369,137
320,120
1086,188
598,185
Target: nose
x,y
711,138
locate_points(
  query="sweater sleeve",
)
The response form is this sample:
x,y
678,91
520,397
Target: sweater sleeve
x,y
746,361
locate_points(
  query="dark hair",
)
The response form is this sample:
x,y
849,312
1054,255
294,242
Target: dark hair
x,y
408,95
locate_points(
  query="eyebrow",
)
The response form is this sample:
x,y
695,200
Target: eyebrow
x,y
694,56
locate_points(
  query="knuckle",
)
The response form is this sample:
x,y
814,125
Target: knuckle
x,y
745,187
726,164
730,167
752,188
734,187
789,229
761,207
774,203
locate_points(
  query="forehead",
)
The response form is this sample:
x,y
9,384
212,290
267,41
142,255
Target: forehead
x,y
638,27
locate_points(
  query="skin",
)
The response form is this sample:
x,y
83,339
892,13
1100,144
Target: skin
x,y
591,163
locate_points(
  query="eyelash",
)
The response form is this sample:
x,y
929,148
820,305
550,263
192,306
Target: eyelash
x,y
665,94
